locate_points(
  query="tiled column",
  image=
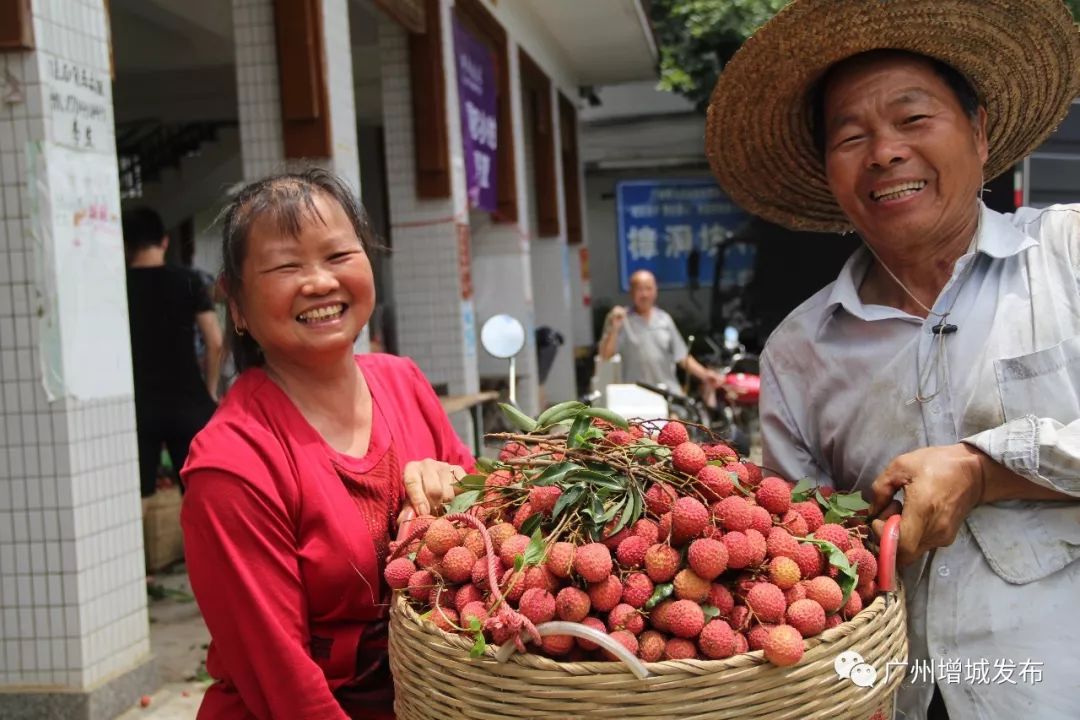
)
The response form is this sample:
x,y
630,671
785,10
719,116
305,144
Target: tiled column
x,y
261,136
73,622
436,321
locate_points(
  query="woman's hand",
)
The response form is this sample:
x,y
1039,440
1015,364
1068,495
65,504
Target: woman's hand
x,y
941,486
428,484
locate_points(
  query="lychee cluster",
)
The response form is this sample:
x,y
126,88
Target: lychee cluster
x,y
721,560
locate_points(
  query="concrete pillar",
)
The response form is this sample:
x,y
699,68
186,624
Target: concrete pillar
x,y
262,145
73,625
435,315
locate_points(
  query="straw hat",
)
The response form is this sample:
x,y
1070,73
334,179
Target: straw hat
x,y
1021,56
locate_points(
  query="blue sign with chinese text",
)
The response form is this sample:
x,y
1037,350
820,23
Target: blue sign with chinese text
x,y
661,221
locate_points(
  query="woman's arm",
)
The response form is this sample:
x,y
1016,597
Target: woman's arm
x,y
241,558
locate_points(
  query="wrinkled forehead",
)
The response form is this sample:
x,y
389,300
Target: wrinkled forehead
x,y
884,66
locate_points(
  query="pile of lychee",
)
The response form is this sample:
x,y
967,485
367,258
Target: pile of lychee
x,y
719,560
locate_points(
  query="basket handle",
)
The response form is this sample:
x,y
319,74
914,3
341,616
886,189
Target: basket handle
x,y
561,627
890,538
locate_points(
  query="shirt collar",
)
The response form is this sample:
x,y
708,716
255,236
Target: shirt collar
x,y
997,238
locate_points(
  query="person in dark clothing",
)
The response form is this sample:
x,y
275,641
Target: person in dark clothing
x,y
165,306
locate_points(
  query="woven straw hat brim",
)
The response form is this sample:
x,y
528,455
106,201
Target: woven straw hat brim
x,y
1021,56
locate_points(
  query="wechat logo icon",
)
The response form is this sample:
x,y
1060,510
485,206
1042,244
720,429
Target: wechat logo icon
x,y
850,665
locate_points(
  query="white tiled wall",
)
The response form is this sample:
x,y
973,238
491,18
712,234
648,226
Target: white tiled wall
x,y
72,593
339,77
428,296
258,96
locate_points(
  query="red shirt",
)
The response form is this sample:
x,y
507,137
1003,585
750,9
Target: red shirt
x,y
285,537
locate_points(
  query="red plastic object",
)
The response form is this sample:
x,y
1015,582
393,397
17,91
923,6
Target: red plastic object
x,y
890,538
742,388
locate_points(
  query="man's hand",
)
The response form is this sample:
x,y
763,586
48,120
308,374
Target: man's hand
x,y
941,487
428,484
617,316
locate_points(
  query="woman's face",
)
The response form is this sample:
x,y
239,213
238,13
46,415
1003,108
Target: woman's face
x,y
305,298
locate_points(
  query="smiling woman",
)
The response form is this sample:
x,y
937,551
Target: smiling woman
x,y
312,460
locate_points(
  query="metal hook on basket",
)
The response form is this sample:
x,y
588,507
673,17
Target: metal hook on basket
x,y
561,627
890,539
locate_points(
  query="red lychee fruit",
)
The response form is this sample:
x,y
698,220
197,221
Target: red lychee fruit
x,y
865,563
774,495
740,472
522,514
501,533
498,478
673,434
466,594
626,617
685,619
794,523
741,645
612,540
426,559
826,592
707,558
651,646
513,450
444,618
739,617
810,561
637,589
421,585
806,616
756,635
557,645
784,646
867,592
753,473
647,529
720,451
475,542
758,546
678,648
537,605
688,586
740,552
714,483
767,602
688,519
721,599
596,624
457,564
543,498
480,572
780,543
441,535
572,604
512,584
540,577
664,527
717,640
560,559
760,520
659,615
688,458
836,534
659,498
733,513
784,572
631,551
798,592
625,638
512,547
832,621
619,438
398,572
593,562
852,607
661,562
606,594
811,513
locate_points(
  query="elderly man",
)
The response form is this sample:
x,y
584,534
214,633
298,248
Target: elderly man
x,y
942,367
648,340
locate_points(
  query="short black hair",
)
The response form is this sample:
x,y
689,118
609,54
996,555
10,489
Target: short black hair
x,y
961,87
142,228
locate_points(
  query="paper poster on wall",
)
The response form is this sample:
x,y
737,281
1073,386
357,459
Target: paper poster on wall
x,y
80,109
479,126
81,284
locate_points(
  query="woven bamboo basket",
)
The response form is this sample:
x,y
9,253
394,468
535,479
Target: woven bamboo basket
x,y
435,677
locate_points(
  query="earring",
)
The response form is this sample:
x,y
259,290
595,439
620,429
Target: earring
x,y
239,331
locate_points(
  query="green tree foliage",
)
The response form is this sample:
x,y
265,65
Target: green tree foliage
x,y
696,38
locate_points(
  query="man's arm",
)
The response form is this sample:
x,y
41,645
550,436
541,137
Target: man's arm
x,y
702,373
1041,451
609,341
211,333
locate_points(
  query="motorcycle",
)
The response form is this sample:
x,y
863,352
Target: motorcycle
x,y
734,404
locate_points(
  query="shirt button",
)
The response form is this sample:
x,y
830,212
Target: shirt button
x,y
935,409
943,571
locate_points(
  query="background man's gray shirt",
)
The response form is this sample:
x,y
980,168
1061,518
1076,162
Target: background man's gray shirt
x,y
650,349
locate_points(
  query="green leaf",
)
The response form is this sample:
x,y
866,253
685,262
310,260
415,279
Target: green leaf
x,y
832,515
557,413
803,490
472,482
536,549
517,418
463,502
660,592
711,611
567,499
556,474
487,465
532,524
822,500
519,562
411,556
597,479
474,625
608,416
575,438
479,646
850,501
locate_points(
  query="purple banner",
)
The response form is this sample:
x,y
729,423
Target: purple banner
x,y
479,127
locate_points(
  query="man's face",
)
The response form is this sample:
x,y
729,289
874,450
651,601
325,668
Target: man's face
x,y
902,158
643,292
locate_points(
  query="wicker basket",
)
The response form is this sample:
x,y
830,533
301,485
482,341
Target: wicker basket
x,y
434,677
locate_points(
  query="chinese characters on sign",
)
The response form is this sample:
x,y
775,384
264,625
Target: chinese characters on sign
x,y
999,671
479,127
661,221
78,105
